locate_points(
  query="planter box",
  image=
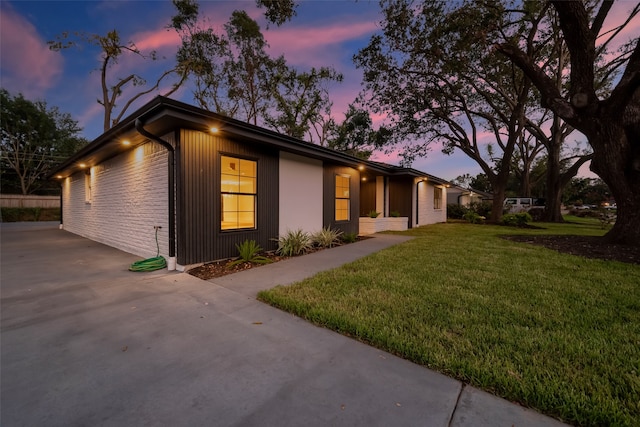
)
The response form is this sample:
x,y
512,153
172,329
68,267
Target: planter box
x,y
375,225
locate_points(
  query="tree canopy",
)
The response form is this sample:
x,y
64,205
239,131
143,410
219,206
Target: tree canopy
x,y
35,138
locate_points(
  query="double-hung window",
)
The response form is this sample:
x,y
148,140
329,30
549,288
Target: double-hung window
x,y
437,198
238,193
342,197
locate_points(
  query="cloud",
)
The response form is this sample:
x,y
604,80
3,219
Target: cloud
x,y
28,66
317,46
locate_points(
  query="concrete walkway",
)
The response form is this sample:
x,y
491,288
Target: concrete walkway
x,y
86,342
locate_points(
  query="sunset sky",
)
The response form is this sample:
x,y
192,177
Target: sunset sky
x,y
324,33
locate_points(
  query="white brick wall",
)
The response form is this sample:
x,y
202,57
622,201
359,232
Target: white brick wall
x,y
426,212
129,196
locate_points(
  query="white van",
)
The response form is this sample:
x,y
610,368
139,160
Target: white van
x,y
518,204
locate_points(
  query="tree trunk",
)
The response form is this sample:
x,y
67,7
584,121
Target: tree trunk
x,y
498,201
619,167
553,196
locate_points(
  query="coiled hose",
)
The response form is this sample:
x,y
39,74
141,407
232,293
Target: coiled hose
x,y
150,264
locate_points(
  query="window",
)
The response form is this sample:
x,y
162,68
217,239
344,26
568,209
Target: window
x,y
238,193
437,198
342,197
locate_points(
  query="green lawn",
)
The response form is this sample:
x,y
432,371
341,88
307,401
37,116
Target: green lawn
x,y
555,332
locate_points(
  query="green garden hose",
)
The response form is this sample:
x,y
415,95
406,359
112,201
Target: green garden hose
x,y
150,264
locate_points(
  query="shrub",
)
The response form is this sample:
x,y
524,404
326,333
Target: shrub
x,y
516,220
249,252
349,237
481,208
456,211
373,214
29,214
395,214
473,217
294,243
327,237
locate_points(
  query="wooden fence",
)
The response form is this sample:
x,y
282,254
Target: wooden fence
x,y
28,201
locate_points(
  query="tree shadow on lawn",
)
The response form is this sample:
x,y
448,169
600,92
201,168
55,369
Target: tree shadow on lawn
x,y
586,246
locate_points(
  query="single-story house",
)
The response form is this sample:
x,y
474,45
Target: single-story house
x,y
196,183
466,196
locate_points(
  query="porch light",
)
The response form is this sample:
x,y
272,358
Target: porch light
x,y
361,167
364,178
59,176
126,142
214,129
82,165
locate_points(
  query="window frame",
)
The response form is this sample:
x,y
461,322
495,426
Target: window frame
x,y
437,201
238,193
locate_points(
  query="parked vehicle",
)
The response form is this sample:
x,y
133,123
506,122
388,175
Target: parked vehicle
x,y
521,204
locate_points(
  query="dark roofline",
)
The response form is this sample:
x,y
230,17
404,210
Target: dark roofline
x,y
107,145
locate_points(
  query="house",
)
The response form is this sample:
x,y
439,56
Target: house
x,y
466,196
192,184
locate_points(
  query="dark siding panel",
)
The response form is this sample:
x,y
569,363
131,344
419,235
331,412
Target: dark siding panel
x,y
201,239
400,196
329,193
367,197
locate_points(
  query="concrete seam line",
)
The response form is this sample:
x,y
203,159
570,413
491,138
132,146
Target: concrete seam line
x,y
455,408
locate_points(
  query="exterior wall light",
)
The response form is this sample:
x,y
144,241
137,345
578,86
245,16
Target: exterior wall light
x,y
214,129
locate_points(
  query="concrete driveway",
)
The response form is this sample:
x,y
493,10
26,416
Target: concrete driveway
x,y
85,342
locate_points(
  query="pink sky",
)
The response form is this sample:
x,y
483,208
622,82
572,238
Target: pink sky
x,y
309,40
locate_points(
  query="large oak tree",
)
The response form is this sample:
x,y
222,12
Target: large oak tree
x,y
611,124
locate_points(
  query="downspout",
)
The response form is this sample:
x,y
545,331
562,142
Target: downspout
x,y
61,226
171,262
418,203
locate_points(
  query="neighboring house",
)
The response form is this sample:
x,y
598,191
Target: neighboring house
x,y
202,183
466,196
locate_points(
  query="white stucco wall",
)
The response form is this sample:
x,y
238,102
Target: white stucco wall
x,y
427,214
129,196
300,190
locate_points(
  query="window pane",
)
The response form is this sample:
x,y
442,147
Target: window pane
x,y
248,168
230,166
246,220
247,185
229,184
246,203
229,203
229,220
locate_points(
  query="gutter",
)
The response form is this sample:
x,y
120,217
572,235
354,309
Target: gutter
x,y
139,124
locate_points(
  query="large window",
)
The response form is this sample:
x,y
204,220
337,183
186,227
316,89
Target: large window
x,y
342,197
238,193
437,198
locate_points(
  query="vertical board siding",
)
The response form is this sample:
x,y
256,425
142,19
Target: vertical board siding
x,y
200,237
401,195
329,203
367,197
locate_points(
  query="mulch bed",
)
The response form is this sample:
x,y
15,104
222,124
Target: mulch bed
x,y
586,246
221,268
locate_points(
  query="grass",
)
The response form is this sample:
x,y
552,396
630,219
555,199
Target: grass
x,y
555,332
